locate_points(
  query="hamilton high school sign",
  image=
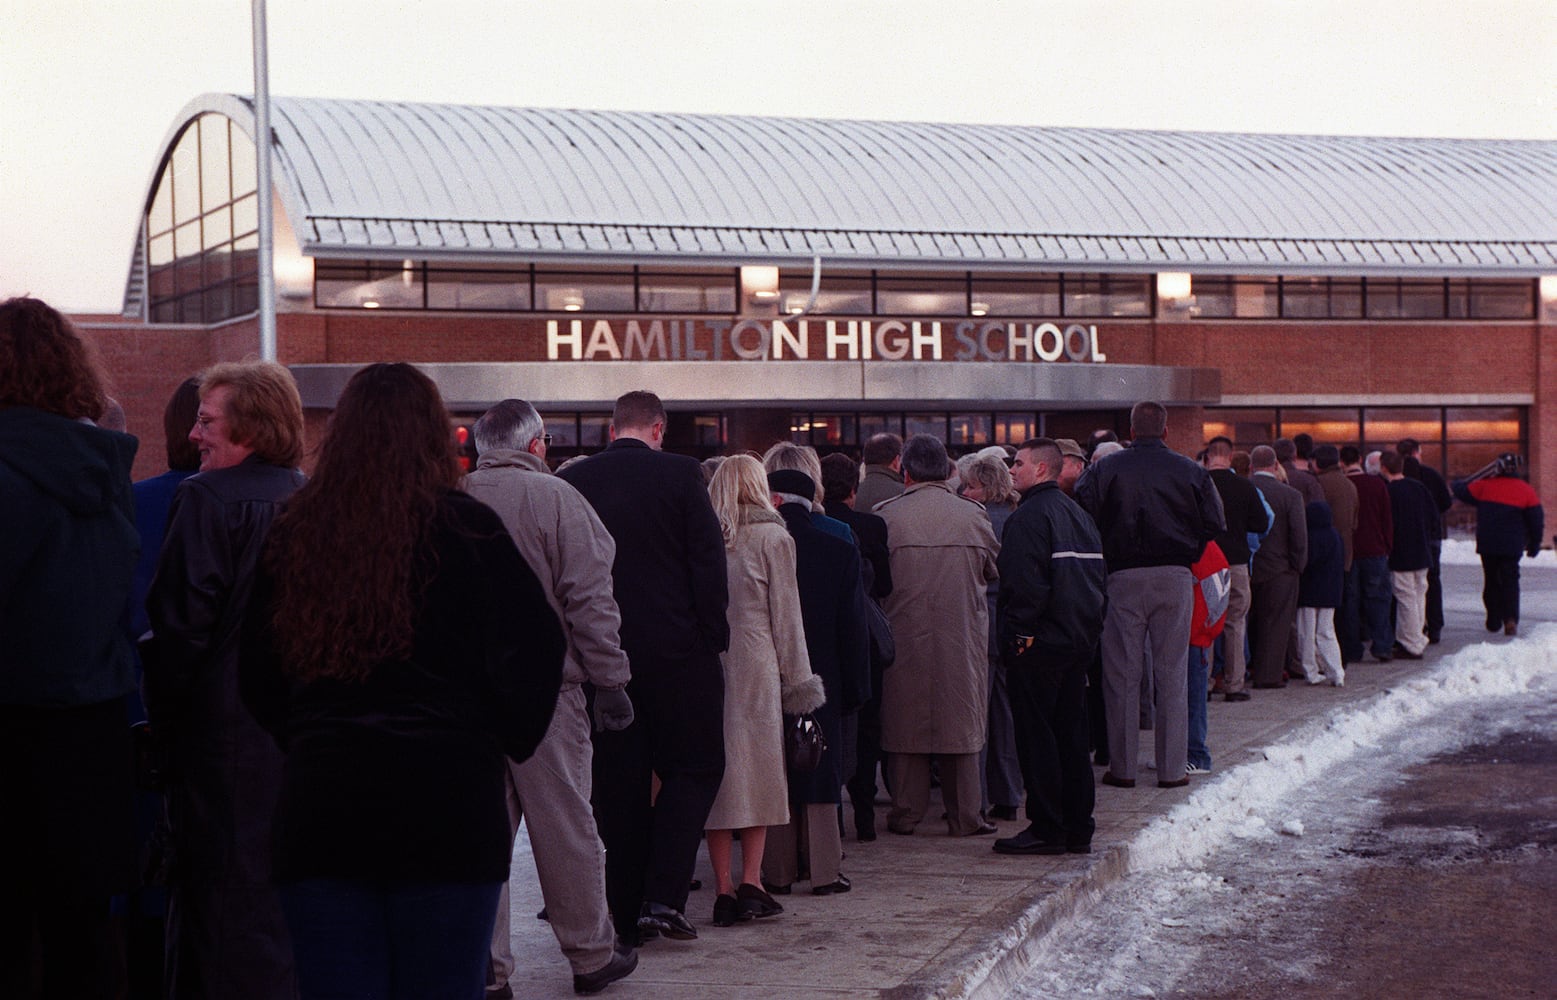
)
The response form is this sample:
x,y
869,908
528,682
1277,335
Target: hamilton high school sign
x,y
818,340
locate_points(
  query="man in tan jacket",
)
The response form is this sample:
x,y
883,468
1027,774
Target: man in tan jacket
x,y
562,539
935,701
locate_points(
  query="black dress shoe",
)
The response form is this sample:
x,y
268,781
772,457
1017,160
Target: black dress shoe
x,y
1267,685
724,910
1005,813
776,890
666,920
622,964
1079,848
841,884
1109,779
751,903
984,829
1236,696
1028,842
1174,784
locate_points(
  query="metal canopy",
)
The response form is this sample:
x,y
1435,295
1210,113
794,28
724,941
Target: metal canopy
x,y
381,179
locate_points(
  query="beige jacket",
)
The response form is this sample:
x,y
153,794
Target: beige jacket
x,y
767,671
935,696
571,552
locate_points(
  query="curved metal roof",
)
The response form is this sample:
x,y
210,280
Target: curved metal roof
x,y
370,178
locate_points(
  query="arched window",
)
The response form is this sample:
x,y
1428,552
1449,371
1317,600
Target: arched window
x,y
202,227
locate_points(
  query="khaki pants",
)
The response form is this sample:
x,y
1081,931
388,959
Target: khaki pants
x,y
550,791
960,791
816,826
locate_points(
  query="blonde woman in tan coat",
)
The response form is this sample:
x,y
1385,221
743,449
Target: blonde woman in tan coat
x,y
767,672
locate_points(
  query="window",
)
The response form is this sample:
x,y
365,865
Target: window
x,y
1321,298
588,291
1397,298
840,294
198,227
368,285
945,295
1035,297
1107,295
688,291
477,289
1222,297
1502,300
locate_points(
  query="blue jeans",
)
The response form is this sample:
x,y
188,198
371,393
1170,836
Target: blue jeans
x,y
1199,753
390,940
1375,596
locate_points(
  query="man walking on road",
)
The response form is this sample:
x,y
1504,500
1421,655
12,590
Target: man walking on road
x,y
669,581
1048,622
571,552
1155,510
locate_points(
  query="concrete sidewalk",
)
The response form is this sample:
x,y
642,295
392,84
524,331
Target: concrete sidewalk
x,y
933,916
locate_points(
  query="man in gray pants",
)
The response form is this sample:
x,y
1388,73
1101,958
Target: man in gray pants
x,y
1155,510
562,539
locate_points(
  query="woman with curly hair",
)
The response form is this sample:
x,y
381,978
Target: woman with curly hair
x,y
398,648
767,672
67,555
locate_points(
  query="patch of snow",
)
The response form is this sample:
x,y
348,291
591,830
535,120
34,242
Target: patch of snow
x,y
1233,802
1462,552
1292,828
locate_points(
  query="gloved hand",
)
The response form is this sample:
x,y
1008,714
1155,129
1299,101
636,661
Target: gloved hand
x,y
613,709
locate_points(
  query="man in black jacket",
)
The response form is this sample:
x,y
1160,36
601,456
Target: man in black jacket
x,y
1155,510
669,581
1048,620
1415,519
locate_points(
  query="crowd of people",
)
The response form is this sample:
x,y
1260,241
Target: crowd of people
x,y
358,683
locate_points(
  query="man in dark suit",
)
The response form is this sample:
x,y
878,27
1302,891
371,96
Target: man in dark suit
x,y
669,581
1275,574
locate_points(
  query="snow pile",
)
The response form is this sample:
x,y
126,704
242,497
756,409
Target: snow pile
x,y
1232,803
1462,552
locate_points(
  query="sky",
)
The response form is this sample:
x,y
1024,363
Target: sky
x,y
89,90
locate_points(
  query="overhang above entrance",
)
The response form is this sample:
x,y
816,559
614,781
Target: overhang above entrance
x,y
815,384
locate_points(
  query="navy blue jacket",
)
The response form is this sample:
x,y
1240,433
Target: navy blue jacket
x,y
1509,516
1323,577
1052,578
1153,506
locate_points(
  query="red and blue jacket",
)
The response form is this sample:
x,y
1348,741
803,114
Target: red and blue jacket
x,y
1509,516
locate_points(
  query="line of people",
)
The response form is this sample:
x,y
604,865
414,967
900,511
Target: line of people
x,y
358,684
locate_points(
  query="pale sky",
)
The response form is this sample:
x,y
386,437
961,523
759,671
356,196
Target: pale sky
x,y
89,89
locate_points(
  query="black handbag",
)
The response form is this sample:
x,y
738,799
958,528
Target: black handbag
x,y
804,743
883,650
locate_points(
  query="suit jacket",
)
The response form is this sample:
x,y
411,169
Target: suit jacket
x,y
669,574
1285,549
1341,495
871,533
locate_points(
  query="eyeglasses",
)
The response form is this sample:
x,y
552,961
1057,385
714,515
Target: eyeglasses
x,y
546,439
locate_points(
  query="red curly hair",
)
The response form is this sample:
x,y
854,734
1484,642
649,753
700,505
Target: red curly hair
x,y
45,364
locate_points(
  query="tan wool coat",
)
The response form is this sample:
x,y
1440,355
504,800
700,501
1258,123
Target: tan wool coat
x,y
767,671
935,696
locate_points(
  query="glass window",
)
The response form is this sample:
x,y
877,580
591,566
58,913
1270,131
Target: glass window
x,y
922,296
974,429
216,228
1483,423
1245,428
1014,428
218,300
1502,300
1321,298
594,430
366,285
1394,298
563,428
159,218
688,292
215,181
185,170
1467,458
245,180
1384,427
708,430
933,424
245,214
1031,297
1107,295
1337,426
836,429
579,291
839,294
245,256
872,424
1223,297
218,267
186,240
477,289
